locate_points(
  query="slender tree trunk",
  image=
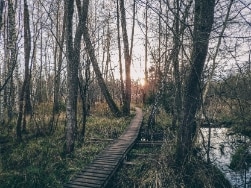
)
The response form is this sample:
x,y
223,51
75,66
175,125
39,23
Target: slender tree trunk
x,y
113,107
73,59
203,20
84,86
58,69
158,63
90,50
108,55
27,50
127,102
146,44
1,13
133,26
10,52
27,39
176,67
120,60
10,47
71,104
23,95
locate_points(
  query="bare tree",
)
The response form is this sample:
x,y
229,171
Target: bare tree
x,y
24,93
127,101
58,65
84,83
146,47
71,110
9,60
122,87
73,58
203,21
90,50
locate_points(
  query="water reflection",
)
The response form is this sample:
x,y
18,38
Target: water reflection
x,y
223,145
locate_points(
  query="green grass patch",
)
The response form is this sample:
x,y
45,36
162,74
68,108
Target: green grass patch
x,y
39,161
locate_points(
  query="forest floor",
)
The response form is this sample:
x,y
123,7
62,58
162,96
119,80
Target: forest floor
x,y
39,160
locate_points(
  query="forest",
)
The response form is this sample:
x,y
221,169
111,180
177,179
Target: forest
x,y
73,71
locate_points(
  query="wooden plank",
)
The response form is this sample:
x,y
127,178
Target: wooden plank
x,y
111,161
96,174
91,170
84,184
114,154
82,175
103,165
109,153
100,161
89,180
70,185
101,168
107,159
77,184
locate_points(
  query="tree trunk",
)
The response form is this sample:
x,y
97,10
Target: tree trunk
x,y
113,107
84,86
146,54
10,53
133,27
58,70
27,50
73,59
1,12
176,67
203,20
22,95
127,102
120,60
71,104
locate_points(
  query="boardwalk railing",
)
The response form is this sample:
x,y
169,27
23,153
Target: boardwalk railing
x,y
101,170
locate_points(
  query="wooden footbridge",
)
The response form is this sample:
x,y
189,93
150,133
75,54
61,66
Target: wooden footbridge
x,y
101,170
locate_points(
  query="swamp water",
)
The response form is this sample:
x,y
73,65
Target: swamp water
x,y
223,146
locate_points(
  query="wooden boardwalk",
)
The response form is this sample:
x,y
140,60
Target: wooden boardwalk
x,y
101,170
